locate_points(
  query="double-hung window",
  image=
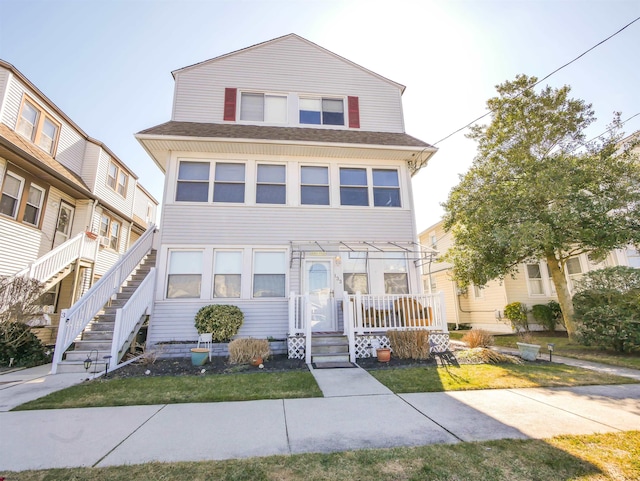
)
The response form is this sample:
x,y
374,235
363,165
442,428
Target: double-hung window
x,y
574,270
111,228
38,127
269,274
534,278
22,199
386,188
271,187
193,182
227,274
117,179
353,187
396,279
314,185
11,194
33,207
184,278
321,111
355,273
229,183
260,107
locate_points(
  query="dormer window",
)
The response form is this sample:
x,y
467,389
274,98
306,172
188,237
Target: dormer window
x,y
38,127
321,111
117,179
260,107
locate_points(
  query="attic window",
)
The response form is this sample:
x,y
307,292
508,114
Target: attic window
x,y
260,107
34,124
321,111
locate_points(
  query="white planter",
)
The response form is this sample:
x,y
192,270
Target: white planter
x,y
528,352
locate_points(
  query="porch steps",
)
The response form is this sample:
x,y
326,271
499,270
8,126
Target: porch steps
x,y
329,348
95,341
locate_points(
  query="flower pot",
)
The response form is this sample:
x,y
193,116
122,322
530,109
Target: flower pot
x,y
384,355
199,356
528,352
256,361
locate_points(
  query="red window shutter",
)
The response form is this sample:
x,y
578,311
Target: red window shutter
x,y
354,113
230,104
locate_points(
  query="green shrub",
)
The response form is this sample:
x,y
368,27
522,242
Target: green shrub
x,y
516,312
222,320
243,351
607,308
556,311
543,315
18,342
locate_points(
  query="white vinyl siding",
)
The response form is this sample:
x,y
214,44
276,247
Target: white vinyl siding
x,y
268,68
108,194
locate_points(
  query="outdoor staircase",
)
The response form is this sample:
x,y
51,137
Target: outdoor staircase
x,y
329,348
96,339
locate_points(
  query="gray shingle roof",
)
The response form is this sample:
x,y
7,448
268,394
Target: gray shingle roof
x,y
296,134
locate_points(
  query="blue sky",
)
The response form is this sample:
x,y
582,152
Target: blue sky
x,y
107,64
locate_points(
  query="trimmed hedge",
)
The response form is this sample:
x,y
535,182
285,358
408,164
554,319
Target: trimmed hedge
x,y
221,320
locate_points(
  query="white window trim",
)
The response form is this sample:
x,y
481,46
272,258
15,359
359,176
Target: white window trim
x,y
216,251
256,250
203,274
264,93
369,171
312,96
285,184
39,207
328,185
20,192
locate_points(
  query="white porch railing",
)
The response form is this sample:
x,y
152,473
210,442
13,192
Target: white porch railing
x,y
373,314
379,313
129,315
47,266
76,318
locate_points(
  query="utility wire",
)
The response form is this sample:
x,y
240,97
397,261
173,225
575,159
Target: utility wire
x,y
541,80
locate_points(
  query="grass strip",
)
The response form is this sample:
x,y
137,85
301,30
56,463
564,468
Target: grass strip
x,y
598,457
490,376
180,389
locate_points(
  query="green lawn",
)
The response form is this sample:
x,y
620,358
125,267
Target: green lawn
x,y
490,376
598,457
563,347
181,389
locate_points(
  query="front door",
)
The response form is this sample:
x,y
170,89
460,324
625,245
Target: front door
x,y
319,286
63,226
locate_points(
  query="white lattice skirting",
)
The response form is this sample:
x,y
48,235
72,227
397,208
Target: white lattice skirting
x,y
366,344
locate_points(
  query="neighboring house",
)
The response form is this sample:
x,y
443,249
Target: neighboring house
x,y
57,184
288,190
483,306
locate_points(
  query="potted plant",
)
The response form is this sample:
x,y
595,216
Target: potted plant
x,y
199,355
384,354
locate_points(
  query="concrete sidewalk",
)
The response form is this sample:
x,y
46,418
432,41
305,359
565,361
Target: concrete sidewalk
x,y
353,413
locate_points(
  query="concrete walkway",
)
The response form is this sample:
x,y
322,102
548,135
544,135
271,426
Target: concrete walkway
x,y
356,409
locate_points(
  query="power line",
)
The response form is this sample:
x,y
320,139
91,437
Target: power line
x,y
541,80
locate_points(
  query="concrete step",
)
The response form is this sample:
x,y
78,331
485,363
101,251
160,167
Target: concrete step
x,y
329,357
330,349
66,367
329,339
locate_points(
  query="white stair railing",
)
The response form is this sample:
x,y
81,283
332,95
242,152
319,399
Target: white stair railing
x,y
76,318
46,267
139,304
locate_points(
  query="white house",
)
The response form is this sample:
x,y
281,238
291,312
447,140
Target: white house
x,y
69,206
288,191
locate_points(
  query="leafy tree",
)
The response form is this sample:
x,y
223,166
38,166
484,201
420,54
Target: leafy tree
x,y
538,190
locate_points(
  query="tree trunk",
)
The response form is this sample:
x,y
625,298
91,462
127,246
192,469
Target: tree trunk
x,y
564,296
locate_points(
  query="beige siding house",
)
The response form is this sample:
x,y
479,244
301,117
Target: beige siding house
x,y
59,185
288,187
483,306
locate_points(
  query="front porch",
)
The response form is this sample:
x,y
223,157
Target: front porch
x,y
363,320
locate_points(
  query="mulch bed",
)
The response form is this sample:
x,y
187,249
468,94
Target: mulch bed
x,y
181,366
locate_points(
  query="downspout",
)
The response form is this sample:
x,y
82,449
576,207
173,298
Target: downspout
x,y
93,211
